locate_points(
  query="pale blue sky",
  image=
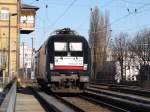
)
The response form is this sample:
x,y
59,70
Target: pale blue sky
x,y
77,16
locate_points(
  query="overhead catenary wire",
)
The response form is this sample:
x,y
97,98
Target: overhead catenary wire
x,y
131,2
34,1
64,4
123,17
138,10
131,13
72,3
59,17
65,11
113,22
105,5
108,3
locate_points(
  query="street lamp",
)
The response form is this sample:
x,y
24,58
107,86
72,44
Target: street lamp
x,y
9,34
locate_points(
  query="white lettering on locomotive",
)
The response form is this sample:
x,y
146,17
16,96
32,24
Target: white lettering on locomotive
x,y
68,61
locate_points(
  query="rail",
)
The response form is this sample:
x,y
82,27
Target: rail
x,y
122,100
8,104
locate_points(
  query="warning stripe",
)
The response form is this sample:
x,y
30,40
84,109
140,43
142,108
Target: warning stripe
x,y
68,67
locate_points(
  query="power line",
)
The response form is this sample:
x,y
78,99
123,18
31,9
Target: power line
x,y
64,4
143,10
107,3
131,2
130,13
34,1
146,4
66,10
136,11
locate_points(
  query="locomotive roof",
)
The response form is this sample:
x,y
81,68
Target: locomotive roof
x,y
63,35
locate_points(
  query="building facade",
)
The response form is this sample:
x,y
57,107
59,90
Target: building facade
x,y
9,35
12,24
25,56
25,61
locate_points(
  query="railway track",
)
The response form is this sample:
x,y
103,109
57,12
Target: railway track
x,y
124,101
93,100
73,103
51,103
123,88
115,85
84,105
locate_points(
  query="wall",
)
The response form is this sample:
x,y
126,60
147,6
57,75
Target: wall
x,y
12,7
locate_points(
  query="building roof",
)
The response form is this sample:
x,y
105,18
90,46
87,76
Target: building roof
x,y
27,6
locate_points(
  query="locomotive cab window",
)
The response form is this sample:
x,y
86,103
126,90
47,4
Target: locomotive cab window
x,y
60,48
76,48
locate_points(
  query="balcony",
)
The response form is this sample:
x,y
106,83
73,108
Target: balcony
x,y
27,18
26,28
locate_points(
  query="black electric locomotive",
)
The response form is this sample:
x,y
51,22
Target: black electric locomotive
x,y
62,62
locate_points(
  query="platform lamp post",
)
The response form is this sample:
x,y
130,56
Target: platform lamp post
x,y
9,34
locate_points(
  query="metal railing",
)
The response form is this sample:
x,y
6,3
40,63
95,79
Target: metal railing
x,y
8,104
3,82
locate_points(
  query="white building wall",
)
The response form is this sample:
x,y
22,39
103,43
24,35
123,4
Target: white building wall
x,y
131,69
27,56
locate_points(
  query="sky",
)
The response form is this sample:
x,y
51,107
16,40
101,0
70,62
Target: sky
x,y
128,16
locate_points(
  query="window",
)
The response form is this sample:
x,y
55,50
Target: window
x,y
27,19
23,19
60,46
4,14
76,46
30,19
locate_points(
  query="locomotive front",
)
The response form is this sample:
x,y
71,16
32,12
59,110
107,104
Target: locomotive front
x,y
68,60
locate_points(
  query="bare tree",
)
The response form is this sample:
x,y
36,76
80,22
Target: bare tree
x,y
98,37
141,46
120,52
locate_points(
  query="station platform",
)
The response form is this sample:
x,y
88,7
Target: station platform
x,y
26,102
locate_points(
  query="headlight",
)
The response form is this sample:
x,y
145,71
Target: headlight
x,y
18,80
84,79
51,66
85,67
